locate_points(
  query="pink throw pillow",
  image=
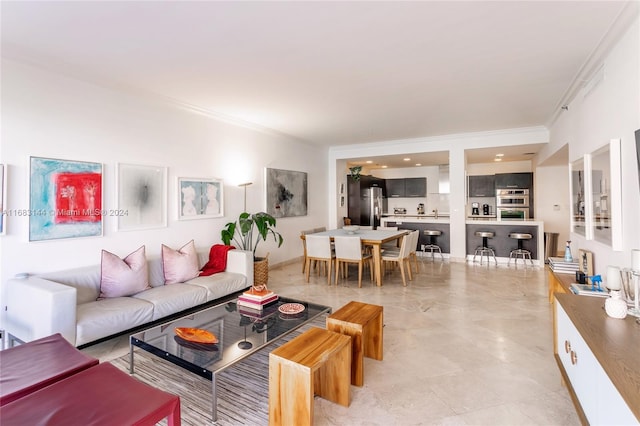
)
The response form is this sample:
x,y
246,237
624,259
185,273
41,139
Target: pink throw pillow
x,y
180,265
123,277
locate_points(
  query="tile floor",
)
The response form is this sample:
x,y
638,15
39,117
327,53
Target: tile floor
x,y
463,345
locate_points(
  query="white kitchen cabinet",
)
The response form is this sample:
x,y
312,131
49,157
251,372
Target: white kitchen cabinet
x,y
598,397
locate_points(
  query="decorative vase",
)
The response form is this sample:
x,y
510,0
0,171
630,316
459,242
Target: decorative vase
x,y
615,306
260,273
567,253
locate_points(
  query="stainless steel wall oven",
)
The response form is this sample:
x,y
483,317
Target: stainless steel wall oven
x,y
506,198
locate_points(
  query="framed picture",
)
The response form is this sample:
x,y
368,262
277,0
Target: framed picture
x,y
200,198
585,262
286,193
65,199
142,197
3,180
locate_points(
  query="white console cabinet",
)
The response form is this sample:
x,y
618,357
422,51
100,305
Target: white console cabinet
x,y
593,390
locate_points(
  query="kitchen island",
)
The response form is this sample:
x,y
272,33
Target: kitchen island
x,y
501,243
421,223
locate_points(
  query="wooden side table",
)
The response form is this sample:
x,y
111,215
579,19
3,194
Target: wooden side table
x,y
316,362
363,322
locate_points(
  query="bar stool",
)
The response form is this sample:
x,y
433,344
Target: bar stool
x,y
520,251
432,246
485,250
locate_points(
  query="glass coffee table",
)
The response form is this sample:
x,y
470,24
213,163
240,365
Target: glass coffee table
x,y
239,331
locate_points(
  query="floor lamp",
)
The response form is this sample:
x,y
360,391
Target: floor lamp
x,y
244,185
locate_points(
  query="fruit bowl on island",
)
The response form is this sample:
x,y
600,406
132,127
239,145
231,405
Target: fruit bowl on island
x,y
351,229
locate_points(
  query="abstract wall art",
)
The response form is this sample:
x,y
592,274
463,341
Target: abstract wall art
x,y
142,197
286,193
200,198
65,199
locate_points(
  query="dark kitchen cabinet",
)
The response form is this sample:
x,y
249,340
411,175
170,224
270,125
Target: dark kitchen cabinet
x,y
395,188
406,187
482,186
514,180
415,187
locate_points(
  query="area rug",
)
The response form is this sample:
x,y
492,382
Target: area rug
x,y
243,389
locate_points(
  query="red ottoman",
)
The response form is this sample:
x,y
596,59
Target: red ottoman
x,y
101,395
31,366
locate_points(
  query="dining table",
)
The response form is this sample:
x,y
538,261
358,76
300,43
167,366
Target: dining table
x,y
370,237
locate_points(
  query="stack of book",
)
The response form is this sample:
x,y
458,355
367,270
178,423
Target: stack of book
x,y
589,290
259,314
257,300
561,266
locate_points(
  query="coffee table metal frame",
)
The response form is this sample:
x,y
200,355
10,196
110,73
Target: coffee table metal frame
x,y
155,340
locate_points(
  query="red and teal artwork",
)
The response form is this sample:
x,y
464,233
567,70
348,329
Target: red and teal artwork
x,y
65,199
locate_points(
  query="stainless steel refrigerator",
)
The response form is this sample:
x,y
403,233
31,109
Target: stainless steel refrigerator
x,y
366,206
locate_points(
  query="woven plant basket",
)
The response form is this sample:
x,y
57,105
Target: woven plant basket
x,y
260,272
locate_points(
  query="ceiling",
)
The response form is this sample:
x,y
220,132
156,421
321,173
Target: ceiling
x,y
327,73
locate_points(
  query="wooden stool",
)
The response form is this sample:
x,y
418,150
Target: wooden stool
x,y
363,322
316,362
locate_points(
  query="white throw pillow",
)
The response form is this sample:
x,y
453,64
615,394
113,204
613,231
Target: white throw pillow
x,y
180,265
123,277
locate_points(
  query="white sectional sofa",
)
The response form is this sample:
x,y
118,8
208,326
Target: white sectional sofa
x,y
66,302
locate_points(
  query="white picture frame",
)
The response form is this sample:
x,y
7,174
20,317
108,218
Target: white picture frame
x,y
200,198
141,197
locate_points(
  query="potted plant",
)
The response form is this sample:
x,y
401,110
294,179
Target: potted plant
x,y
246,233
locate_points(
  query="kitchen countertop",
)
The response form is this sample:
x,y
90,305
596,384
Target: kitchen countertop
x,y
526,222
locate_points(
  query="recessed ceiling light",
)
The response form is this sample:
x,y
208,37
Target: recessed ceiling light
x,y
500,155
407,159
369,161
497,159
418,164
384,167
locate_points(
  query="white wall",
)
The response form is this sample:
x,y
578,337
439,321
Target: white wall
x,y
552,201
608,108
49,115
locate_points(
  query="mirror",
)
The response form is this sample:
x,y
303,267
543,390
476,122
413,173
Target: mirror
x,y
578,200
600,178
606,195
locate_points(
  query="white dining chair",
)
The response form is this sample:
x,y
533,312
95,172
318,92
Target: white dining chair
x,y
350,250
304,247
400,257
392,245
413,246
319,249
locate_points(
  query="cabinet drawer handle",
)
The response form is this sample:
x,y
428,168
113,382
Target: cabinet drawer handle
x,y
567,346
574,358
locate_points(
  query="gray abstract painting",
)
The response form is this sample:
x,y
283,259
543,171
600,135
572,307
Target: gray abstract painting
x,y
286,193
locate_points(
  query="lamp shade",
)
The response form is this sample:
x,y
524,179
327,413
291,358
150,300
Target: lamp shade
x,y
614,281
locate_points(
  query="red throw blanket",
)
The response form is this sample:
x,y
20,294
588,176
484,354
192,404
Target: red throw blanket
x,y
217,260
